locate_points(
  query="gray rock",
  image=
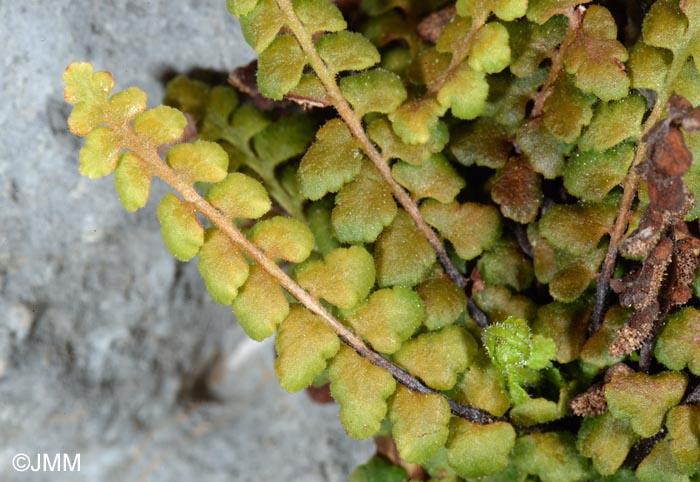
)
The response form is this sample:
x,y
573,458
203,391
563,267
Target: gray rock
x,y
108,346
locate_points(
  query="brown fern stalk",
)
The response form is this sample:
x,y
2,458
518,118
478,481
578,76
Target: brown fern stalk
x,y
630,191
183,186
354,123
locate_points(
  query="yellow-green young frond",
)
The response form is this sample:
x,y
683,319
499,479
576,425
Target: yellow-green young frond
x,y
284,238
420,424
465,92
438,358
363,207
319,16
375,90
434,178
332,160
125,105
280,67
181,231
240,196
475,450
303,345
361,389
261,24
470,227
261,304
509,10
100,155
202,161
88,91
343,278
403,256
347,50
388,318
490,50
416,121
132,181
238,8
222,266
160,125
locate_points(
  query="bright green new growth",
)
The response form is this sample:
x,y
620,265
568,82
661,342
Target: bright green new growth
x,y
494,155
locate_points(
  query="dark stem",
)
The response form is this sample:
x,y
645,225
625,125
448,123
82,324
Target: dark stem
x,y
641,449
480,318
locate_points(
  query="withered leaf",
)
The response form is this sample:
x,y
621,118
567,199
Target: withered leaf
x,y
517,188
431,26
669,251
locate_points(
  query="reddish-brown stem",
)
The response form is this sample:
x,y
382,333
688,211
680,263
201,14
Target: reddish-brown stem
x,y
184,187
354,123
630,190
459,55
575,15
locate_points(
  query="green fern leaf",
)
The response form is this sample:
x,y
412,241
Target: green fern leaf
x,y
261,304
284,238
388,318
303,345
344,277
240,196
132,181
361,389
420,424
181,231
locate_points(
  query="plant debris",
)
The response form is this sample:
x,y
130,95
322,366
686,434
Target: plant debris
x,y
668,249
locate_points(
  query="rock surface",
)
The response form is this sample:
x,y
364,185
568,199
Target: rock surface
x,y
108,346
